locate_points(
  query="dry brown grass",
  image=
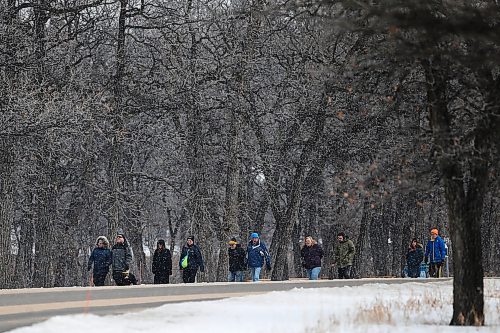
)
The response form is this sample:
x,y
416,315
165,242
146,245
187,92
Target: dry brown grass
x,y
378,313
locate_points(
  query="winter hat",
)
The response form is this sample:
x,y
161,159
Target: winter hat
x,y
191,238
233,241
161,242
254,235
120,235
434,232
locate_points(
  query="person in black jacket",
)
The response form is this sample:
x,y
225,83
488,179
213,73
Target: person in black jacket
x,y
414,257
311,254
190,260
237,261
162,263
101,258
121,259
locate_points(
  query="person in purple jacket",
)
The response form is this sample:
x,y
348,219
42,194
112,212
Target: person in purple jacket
x,y
311,254
435,254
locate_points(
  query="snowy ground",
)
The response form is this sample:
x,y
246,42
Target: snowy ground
x,y
411,307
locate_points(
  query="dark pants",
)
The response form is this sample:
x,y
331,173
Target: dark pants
x,y
436,269
124,279
161,278
344,272
99,279
189,275
414,271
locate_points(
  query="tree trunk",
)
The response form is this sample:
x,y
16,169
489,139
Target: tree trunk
x,y
284,225
6,212
464,208
229,225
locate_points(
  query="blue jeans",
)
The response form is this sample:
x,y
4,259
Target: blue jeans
x,y
313,274
255,273
235,276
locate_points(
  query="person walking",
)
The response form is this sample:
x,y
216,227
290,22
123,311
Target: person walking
x,y
435,254
414,257
344,256
101,258
190,261
162,263
311,254
237,261
121,259
256,254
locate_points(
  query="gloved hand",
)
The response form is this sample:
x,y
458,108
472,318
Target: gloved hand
x,y
268,266
426,260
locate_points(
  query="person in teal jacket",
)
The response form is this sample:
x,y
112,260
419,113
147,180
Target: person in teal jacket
x,y
435,254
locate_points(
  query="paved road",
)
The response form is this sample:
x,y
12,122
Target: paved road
x,y
23,307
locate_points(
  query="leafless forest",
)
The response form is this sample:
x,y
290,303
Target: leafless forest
x,y
216,118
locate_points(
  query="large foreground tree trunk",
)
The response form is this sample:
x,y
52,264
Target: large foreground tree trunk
x,y
465,200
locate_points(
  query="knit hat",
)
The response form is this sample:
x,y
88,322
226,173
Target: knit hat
x,y
233,241
254,235
161,242
434,232
191,238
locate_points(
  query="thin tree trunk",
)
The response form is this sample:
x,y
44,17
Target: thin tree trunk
x,y
6,212
229,225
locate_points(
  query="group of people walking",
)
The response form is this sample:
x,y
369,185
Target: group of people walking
x,y
119,257
434,256
253,258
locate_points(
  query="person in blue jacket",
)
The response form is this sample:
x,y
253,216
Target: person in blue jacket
x,y
435,254
256,254
190,260
101,258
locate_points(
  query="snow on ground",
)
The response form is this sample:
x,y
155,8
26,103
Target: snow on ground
x,y
375,308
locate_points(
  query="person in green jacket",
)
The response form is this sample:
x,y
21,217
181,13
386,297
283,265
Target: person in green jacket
x,y
344,255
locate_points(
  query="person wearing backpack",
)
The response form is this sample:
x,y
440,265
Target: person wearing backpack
x,y
190,261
